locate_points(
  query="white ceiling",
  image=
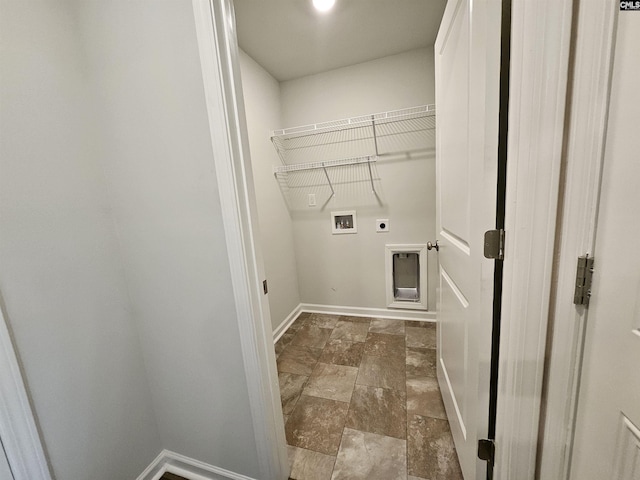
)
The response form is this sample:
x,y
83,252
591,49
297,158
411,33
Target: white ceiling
x,y
290,39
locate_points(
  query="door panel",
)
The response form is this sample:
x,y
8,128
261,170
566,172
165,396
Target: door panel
x,y
606,443
454,191
453,353
467,54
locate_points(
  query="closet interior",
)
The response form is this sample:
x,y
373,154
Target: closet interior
x,y
344,173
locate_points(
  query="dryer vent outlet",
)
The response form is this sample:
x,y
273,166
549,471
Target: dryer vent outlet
x,y
382,225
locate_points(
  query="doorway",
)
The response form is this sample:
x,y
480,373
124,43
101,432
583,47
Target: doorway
x,y
336,276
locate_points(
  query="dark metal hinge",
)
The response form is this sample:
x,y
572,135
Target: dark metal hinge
x,y
486,450
584,275
494,244
265,289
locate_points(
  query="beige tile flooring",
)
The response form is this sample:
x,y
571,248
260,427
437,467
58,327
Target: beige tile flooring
x,y
361,400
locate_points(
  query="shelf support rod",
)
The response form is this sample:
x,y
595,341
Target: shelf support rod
x,y
375,136
373,189
333,193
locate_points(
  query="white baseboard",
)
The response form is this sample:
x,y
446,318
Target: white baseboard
x,y
286,323
188,468
370,312
419,316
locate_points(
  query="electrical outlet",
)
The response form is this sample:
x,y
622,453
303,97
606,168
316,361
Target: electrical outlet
x,y
312,200
382,225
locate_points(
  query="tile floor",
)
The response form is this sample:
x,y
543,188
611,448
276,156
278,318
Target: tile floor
x,y
361,401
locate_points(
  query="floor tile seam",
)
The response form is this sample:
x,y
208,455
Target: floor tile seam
x,y
327,398
335,365
313,396
427,416
383,388
375,433
301,390
352,409
377,386
382,356
316,451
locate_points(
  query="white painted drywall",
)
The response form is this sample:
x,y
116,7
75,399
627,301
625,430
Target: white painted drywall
x,y
389,83
262,107
115,274
61,278
349,269
161,176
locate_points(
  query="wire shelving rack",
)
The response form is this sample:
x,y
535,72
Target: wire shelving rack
x,y
357,141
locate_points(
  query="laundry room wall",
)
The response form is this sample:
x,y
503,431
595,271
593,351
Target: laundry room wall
x,y
349,270
115,276
262,107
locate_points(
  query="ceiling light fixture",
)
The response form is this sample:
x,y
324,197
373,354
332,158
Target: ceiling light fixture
x,y
323,5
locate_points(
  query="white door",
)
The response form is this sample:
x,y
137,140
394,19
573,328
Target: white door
x,y
467,56
607,438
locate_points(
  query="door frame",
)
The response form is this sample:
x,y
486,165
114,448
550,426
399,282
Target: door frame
x,y
541,35
18,429
592,67
219,58
540,41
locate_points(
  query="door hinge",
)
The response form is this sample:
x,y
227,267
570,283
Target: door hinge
x,y
494,244
265,289
486,450
584,275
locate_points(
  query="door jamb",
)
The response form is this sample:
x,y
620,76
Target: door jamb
x,y
541,35
217,45
592,64
18,428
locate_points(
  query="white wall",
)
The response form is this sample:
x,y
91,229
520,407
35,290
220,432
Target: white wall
x,y
161,176
349,269
114,272
61,278
262,107
389,83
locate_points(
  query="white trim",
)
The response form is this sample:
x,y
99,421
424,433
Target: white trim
x,y
18,429
215,30
587,120
286,323
540,40
189,468
394,314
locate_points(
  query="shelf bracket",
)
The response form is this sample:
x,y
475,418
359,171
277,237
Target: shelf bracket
x,y
375,136
333,192
373,189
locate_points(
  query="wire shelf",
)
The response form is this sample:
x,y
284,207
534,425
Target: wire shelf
x,y
378,134
336,160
